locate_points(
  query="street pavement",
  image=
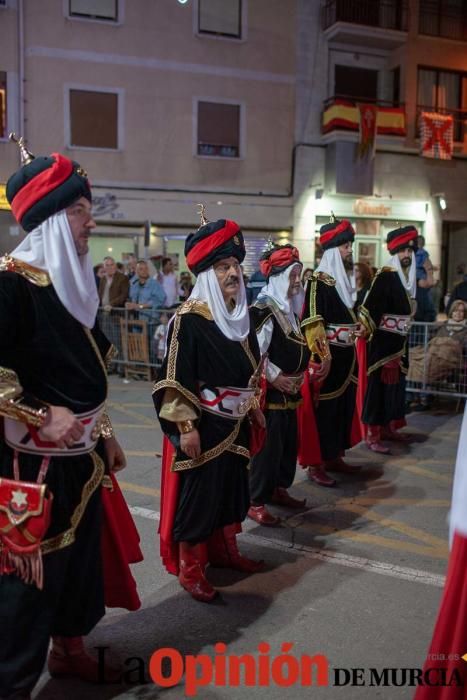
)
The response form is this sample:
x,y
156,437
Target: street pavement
x,y
356,577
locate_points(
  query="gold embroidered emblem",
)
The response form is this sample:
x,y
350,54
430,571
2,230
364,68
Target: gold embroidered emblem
x,y
236,240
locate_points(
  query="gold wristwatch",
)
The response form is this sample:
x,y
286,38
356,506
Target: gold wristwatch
x,y
185,426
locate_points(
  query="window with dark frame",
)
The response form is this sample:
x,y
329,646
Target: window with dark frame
x,y
3,114
445,92
220,18
444,18
94,9
93,119
355,83
218,130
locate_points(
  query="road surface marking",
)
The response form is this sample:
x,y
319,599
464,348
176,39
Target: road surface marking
x,y
415,533
330,557
134,414
136,488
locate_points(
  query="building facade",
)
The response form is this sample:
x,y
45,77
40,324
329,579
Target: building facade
x,y
165,104
404,57
251,107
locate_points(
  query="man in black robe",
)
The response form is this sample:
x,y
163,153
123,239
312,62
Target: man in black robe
x,y
205,391
330,325
276,318
53,388
386,315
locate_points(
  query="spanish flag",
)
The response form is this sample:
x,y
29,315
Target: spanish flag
x,y
449,643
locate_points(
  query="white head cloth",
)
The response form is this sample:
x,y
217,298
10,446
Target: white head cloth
x,y
234,324
333,265
409,283
50,247
277,289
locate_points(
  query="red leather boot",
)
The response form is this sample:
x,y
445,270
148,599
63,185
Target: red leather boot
x,y
68,657
319,476
191,577
338,465
373,440
223,552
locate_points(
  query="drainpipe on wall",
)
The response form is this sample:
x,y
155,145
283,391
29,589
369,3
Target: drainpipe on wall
x,y
21,119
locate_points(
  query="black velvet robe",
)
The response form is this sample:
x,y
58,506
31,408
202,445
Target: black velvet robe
x,y
213,490
336,406
385,402
275,465
56,362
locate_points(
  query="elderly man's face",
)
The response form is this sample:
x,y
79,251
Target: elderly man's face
x,y
81,224
228,273
110,266
295,284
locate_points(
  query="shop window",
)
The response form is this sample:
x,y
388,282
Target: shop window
x,y
220,18
218,130
445,18
94,119
106,10
3,124
356,83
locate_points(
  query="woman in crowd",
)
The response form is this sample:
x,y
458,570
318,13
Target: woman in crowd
x,y
363,277
445,354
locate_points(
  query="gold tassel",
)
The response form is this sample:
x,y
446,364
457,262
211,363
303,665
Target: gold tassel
x,y
28,567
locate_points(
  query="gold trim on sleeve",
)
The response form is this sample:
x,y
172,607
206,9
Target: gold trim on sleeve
x,y
110,355
214,452
173,384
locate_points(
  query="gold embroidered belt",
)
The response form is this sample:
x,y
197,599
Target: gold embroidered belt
x,y
395,324
27,438
227,401
340,334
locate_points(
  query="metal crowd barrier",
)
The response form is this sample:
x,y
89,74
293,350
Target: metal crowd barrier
x,y
139,352
437,360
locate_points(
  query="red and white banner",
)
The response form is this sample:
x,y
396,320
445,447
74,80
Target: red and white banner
x,y
436,135
448,649
367,115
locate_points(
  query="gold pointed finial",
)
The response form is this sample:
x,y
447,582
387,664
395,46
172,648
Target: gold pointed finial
x,y
332,218
202,214
26,156
269,245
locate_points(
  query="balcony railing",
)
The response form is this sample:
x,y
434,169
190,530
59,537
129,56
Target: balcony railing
x,y
385,14
450,23
459,119
342,113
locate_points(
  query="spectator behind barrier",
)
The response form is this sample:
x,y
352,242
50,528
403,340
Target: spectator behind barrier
x,y
460,289
254,286
445,353
113,286
185,287
168,280
363,277
146,294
